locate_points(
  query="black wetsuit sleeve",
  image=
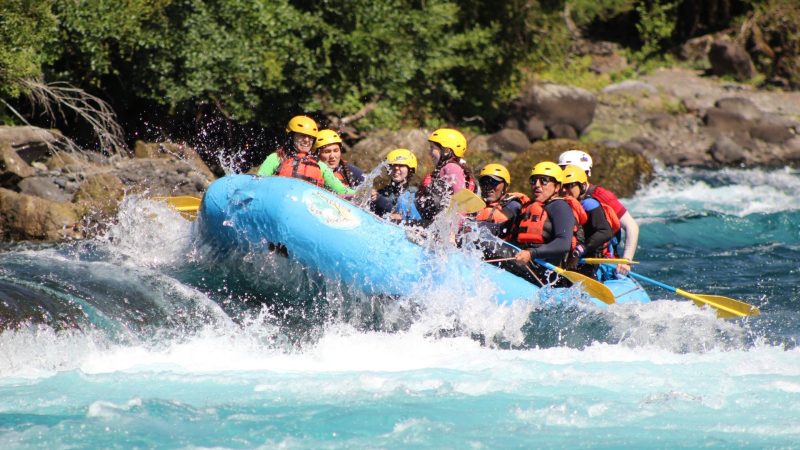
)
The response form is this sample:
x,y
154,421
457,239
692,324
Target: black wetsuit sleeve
x,y
560,215
598,231
357,175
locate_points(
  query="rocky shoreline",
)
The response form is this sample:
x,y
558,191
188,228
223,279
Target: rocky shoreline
x,y
672,117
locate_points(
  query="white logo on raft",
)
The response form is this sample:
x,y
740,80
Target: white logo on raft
x,y
329,211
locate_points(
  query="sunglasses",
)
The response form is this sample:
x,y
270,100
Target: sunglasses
x,y
489,182
542,179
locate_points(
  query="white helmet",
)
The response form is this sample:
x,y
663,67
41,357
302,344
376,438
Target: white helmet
x,y
576,158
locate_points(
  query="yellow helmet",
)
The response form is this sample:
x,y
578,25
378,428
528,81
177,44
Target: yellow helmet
x,y
549,169
450,138
302,125
402,157
574,174
327,137
496,170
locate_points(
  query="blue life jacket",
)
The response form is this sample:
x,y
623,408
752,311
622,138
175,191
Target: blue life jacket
x,y
406,206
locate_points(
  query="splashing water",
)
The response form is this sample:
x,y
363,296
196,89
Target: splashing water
x,y
147,337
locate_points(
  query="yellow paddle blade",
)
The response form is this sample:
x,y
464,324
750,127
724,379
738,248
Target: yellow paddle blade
x,y
609,261
592,287
466,201
185,204
727,308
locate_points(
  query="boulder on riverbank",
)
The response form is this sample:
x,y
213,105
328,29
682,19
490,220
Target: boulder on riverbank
x,y
49,193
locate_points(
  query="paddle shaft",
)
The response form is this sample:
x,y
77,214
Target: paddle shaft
x,y
726,307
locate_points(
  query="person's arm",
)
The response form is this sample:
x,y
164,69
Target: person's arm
x,y
357,174
628,223
333,183
382,204
598,226
270,165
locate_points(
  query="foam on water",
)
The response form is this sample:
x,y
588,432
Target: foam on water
x,y
680,193
445,368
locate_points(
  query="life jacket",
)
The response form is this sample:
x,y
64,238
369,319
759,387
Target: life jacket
x,y
406,206
611,215
493,212
533,225
609,249
303,166
536,228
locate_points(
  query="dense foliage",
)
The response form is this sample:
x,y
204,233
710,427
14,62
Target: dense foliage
x,y
185,63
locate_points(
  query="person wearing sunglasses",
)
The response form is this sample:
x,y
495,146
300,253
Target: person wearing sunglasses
x,y
502,207
597,230
547,224
627,223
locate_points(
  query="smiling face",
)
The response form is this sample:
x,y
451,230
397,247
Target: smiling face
x,y
492,189
302,142
399,173
331,155
436,152
543,187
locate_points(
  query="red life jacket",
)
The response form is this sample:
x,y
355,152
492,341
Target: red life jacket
x,y
611,215
532,224
493,212
534,227
303,166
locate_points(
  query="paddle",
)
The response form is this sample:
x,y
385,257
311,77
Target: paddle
x,y
592,287
608,261
185,204
727,308
467,202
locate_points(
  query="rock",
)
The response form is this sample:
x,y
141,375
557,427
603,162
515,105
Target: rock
x,y
774,129
169,150
25,217
99,196
696,49
620,170
661,121
31,143
67,162
725,151
608,63
630,87
559,104
726,120
562,131
45,187
535,129
729,58
12,167
508,140
741,106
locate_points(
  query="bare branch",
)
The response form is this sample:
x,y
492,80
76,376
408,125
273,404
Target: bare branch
x,y
55,97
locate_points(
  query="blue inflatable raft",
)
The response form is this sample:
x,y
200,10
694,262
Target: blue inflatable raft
x,y
338,239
